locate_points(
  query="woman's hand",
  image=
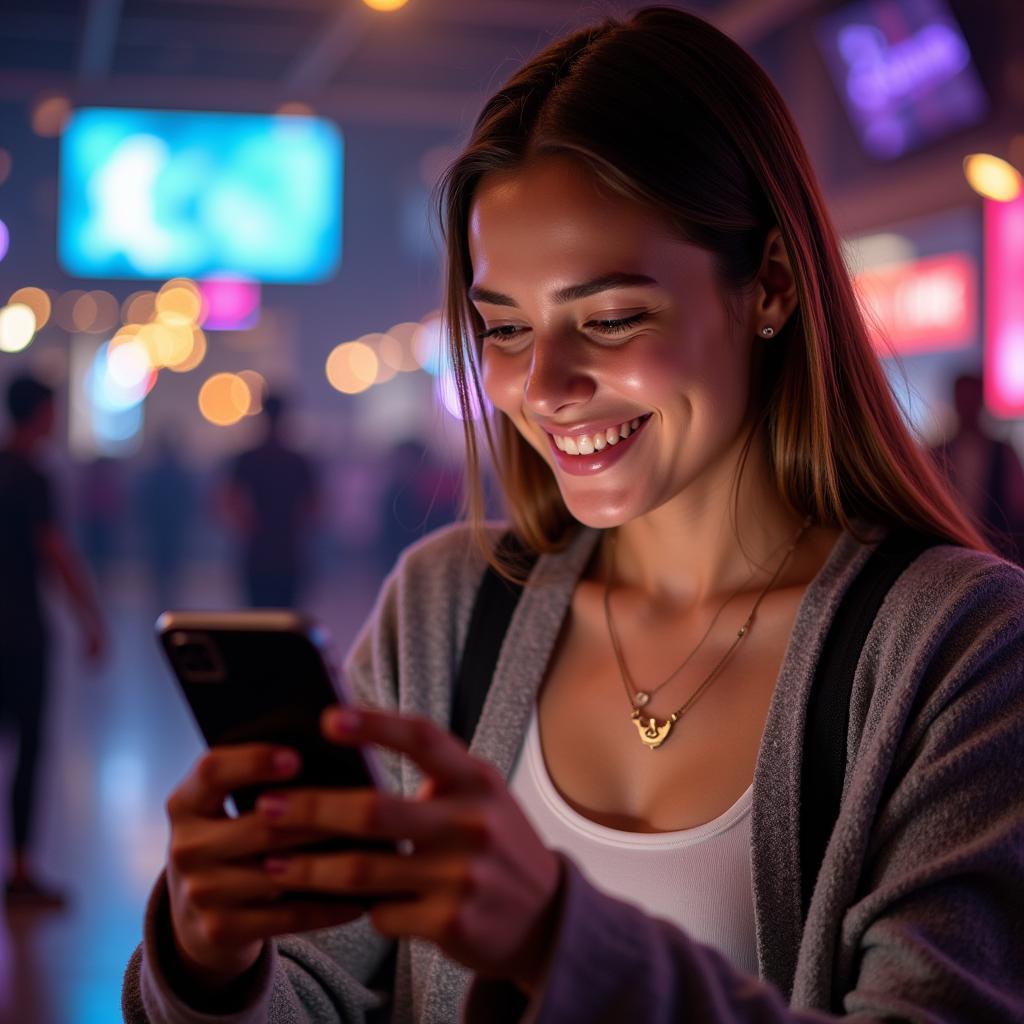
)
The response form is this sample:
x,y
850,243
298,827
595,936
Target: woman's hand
x,y
223,903
479,883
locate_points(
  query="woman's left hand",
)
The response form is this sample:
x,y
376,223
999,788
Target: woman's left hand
x,y
479,883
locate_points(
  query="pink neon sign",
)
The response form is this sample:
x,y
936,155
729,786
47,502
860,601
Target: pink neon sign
x,y
926,305
1004,307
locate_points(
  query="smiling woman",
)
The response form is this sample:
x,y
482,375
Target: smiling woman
x,y
707,780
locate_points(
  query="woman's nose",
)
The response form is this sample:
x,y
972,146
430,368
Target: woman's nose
x,y
558,375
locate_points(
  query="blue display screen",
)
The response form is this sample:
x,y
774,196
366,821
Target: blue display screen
x,y
162,193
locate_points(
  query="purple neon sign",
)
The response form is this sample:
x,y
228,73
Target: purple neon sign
x,y
904,72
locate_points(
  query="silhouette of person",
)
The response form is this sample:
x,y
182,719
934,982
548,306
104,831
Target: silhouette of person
x,y
165,499
985,471
270,500
32,543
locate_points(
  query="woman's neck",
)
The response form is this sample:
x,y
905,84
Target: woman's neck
x,y
710,540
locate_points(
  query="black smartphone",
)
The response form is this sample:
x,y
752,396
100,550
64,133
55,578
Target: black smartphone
x,y
263,676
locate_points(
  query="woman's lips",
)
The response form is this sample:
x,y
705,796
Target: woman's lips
x,y
585,465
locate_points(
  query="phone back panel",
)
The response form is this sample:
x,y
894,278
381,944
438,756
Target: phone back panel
x,y
261,677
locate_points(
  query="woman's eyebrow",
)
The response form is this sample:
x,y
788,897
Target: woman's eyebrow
x,y
570,293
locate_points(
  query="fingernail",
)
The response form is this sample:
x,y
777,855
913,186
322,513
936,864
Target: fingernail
x,y
275,865
285,761
344,721
272,805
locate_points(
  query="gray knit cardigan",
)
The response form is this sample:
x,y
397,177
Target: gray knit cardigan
x,y
918,912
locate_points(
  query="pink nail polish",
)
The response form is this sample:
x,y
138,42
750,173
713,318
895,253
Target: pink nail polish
x,y
272,805
344,721
285,761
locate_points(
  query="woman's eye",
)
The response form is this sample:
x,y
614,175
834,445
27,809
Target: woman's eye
x,y
618,326
504,332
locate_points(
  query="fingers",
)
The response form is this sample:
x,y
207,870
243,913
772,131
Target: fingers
x,y
224,769
452,821
359,873
227,885
439,754
205,841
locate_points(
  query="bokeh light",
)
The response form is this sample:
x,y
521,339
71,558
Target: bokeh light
x,y
5,240
992,177
6,163
426,344
294,109
352,367
196,354
224,399
257,385
179,302
230,303
385,5
37,300
396,347
50,115
116,392
64,308
129,364
384,371
17,327
139,307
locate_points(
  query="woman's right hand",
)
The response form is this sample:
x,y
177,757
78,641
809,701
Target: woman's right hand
x,y
224,905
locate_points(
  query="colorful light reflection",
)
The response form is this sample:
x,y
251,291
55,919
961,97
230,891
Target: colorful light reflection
x,y
231,303
1004,308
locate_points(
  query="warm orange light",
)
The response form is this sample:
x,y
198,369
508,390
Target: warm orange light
x,y
257,385
396,347
179,302
139,307
385,5
195,356
50,115
992,177
352,367
224,399
37,300
294,109
84,312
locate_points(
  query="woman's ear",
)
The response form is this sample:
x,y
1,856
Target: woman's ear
x,y
774,297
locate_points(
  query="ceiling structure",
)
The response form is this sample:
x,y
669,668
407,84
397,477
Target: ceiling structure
x,y
426,64
429,64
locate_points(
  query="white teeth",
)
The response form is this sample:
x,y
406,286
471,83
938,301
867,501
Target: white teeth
x,y
588,444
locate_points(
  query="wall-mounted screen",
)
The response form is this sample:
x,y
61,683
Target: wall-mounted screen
x,y
904,72
163,193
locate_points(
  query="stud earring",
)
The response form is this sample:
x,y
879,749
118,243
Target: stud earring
x,y
767,331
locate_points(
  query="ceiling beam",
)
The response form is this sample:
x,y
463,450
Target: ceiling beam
x,y
450,110
99,37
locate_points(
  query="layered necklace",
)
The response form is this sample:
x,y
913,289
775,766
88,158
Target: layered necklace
x,y
652,732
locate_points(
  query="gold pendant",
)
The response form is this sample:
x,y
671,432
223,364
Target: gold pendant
x,y
652,734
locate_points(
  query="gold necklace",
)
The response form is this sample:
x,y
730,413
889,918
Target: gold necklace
x,y
654,733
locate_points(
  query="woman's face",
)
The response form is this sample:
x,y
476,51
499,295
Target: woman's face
x,y
608,343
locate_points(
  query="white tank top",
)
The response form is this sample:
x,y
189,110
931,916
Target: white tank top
x,y
697,878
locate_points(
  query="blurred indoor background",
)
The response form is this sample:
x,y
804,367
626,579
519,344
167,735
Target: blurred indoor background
x,y
205,202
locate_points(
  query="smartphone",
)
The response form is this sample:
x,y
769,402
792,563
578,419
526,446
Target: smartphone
x,y
264,676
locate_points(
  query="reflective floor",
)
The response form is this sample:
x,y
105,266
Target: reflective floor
x,y
119,739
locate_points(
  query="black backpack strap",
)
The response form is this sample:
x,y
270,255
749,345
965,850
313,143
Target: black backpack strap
x,y
496,600
828,711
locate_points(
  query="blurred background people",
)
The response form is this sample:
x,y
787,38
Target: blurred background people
x,y
100,511
33,544
985,470
270,502
165,496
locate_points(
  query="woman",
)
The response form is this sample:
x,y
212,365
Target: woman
x,y
693,433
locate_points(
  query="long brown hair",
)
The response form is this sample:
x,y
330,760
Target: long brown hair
x,y
670,112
